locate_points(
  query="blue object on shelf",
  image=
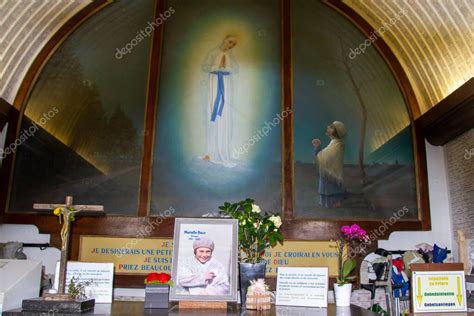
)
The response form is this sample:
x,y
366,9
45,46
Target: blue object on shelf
x,y
439,254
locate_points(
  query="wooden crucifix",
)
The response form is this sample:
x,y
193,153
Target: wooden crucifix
x,y
66,213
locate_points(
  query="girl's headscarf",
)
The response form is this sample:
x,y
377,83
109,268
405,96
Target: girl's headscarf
x,y
331,158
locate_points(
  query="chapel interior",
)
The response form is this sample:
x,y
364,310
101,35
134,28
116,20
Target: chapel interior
x,y
326,113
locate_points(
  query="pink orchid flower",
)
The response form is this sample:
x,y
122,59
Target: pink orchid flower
x,y
346,230
355,228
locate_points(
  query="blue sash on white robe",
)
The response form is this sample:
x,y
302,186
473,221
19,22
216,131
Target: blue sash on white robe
x,y
219,101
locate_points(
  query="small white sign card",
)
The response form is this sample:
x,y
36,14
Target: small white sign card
x,y
302,286
101,275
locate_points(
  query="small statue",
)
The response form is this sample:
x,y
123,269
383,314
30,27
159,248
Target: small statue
x,y
66,215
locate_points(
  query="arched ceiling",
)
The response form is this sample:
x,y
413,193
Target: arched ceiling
x,y
433,40
25,28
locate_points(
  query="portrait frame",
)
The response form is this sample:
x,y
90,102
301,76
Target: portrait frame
x,y
224,236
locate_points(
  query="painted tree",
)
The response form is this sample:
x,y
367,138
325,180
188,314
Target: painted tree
x,y
347,67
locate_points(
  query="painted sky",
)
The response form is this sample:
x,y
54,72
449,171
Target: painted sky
x,y
323,91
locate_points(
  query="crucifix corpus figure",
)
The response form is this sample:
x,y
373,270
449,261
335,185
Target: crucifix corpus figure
x,y
66,213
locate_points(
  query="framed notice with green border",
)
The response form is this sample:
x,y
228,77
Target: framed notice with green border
x,y
438,291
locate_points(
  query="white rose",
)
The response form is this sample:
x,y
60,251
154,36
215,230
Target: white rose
x,y
276,220
256,208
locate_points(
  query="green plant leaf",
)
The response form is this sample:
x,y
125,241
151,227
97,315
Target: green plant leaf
x,y
253,241
248,208
347,267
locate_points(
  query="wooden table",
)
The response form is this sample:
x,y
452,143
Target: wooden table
x,y
136,308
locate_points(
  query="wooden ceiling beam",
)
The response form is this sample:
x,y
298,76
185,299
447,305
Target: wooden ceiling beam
x,y
451,117
5,109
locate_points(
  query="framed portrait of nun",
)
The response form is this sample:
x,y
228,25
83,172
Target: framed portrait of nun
x,y
205,260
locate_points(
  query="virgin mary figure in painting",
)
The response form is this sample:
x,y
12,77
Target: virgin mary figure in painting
x,y
330,161
221,67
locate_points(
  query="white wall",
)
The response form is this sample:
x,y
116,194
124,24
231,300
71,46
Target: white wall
x,y
441,227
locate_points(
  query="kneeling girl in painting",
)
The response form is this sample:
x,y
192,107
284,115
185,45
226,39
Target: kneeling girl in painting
x,y
330,161
202,274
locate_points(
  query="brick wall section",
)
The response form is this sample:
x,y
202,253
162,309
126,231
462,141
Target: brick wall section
x,y
460,167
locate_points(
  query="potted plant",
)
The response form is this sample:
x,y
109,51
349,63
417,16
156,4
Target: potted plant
x,y
157,290
258,230
77,289
351,237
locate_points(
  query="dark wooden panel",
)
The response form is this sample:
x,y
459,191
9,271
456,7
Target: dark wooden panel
x,y
422,188
4,110
437,267
150,116
287,127
451,117
8,161
137,308
122,226
6,115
